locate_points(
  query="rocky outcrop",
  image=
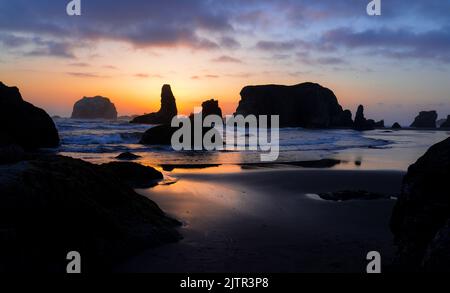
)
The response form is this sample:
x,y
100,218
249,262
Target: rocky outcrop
x,y
437,255
344,120
158,135
23,124
162,134
423,210
396,125
94,108
127,156
135,175
425,119
52,205
361,123
446,124
165,114
211,107
379,124
11,153
304,105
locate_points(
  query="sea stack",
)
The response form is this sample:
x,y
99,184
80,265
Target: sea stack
x,y
306,105
446,124
361,123
23,124
162,134
167,111
396,125
211,107
425,119
94,108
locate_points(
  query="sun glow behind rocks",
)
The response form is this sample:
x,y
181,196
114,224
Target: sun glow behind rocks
x,y
391,64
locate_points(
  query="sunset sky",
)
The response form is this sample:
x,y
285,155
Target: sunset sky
x,y
395,64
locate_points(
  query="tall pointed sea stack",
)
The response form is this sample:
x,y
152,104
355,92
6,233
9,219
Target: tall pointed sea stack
x,y
165,114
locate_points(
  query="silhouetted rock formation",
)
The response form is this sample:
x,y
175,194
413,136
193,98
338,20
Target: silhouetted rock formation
x,y
211,107
94,108
165,114
304,105
23,124
51,205
158,135
361,123
422,212
396,126
446,124
135,175
162,134
425,119
344,120
127,156
379,124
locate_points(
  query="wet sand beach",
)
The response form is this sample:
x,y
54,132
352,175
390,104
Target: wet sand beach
x,y
270,220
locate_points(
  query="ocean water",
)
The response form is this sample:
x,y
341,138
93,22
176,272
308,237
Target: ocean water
x,y
101,141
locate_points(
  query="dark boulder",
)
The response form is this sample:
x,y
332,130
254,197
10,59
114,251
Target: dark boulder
x,y
94,108
396,125
437,255
304,105
425,119
135,175
423,208
127,156
165,114
446,124
11,154
52,205
23,124
361,123
158,135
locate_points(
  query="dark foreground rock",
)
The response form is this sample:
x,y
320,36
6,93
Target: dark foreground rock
x,y
52,205
446,124
304,105
422,212
437,255
94,108
425,119
135,175
11,154
352,195
127,156
165,114
23,124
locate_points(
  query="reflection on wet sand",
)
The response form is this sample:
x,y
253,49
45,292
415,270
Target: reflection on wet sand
x,y
263,220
